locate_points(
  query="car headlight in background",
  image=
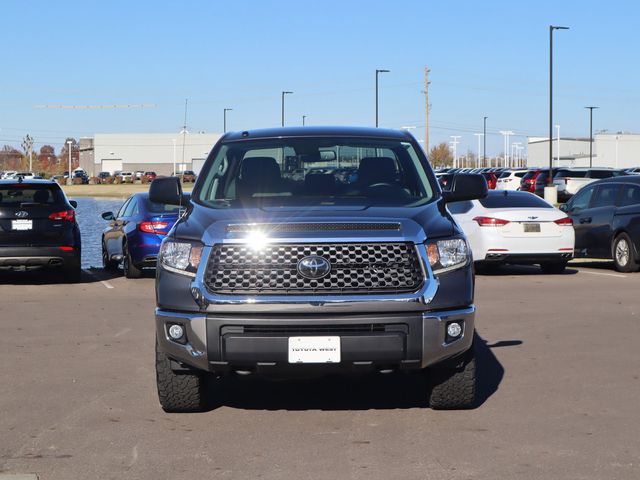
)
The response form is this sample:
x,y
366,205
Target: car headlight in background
x,y
447,255
180,257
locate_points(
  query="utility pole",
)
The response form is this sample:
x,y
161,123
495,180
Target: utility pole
x,y
591,135
479,135
304,118
69,178
426,109
454,143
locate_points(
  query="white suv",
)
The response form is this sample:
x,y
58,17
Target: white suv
x,y
510,179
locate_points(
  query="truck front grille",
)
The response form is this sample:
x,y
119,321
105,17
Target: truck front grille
x,y
356,268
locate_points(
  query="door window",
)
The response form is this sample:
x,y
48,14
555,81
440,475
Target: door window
x,y
605,196
132,208
123,208
630,196
581,199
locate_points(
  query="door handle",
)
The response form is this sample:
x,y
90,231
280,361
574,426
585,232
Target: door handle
x,y
585,220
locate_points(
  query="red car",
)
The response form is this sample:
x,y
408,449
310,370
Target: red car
x,y
528,182
151,176
491,178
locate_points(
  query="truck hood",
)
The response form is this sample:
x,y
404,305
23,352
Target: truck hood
x,y
415,224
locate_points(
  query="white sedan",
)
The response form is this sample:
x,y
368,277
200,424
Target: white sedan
x,y
517,228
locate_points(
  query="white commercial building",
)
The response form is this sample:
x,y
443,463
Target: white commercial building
x,y
163,153
614,150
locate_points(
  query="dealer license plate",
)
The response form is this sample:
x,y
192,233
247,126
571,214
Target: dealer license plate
x,y
531,228
314,349
21,224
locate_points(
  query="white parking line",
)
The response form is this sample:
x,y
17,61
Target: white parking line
x,y
618,275
103,282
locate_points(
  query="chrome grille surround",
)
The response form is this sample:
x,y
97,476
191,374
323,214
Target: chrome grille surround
x,y
356,268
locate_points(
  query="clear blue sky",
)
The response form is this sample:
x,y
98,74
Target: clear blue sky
x,y
486,58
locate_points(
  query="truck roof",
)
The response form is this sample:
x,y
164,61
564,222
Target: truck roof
x,y
317,132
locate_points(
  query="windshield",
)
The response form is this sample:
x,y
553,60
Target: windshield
x,y
316,171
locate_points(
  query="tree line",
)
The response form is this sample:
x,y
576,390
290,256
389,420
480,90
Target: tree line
x,y
44,161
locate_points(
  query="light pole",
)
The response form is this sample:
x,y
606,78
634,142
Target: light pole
x,y
174,156
69,180
591,135
479,135
506,134
304,117
550,192
558,146
454,143
378,72
484,141
283,94
224,125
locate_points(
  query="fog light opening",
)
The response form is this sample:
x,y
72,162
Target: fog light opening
x,y
176,332
454,331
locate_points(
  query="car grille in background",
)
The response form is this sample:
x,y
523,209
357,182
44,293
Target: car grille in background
x,y
360,268
308,227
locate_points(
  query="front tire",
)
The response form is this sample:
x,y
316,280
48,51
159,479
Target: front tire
x,y
454,388
179,392
623,254
130,270
553,268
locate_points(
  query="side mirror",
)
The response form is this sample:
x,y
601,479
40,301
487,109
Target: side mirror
x,y
73,203
564,207
466,186
166,190
108,216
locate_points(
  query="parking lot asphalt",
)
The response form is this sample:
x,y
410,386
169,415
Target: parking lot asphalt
x,y
559,387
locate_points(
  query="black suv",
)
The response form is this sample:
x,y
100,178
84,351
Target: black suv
x,y
38,228
271,273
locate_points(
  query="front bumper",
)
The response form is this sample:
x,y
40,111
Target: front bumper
x,y
33,258
259,342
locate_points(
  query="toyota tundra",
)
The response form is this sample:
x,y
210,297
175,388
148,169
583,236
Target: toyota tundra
x,y
283,265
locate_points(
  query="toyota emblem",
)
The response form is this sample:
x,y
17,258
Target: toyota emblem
x,y
22,214
314,267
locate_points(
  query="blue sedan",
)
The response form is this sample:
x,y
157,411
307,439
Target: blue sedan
x,y
134,234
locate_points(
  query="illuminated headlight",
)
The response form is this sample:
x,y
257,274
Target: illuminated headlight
x,y
447,255
180,257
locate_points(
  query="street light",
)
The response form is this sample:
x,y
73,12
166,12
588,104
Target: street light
x,y
224,126
550,192
69,181
303,119
378,72
484,141
591,135
174,155
283,94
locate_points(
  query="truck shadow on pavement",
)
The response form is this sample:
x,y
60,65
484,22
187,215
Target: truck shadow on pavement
x,y
374,391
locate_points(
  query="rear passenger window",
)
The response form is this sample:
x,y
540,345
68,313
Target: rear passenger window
x,y
605,196
600,174
630,196
508,199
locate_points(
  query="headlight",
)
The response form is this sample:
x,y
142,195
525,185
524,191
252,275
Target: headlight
x,y
180,257
447,255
